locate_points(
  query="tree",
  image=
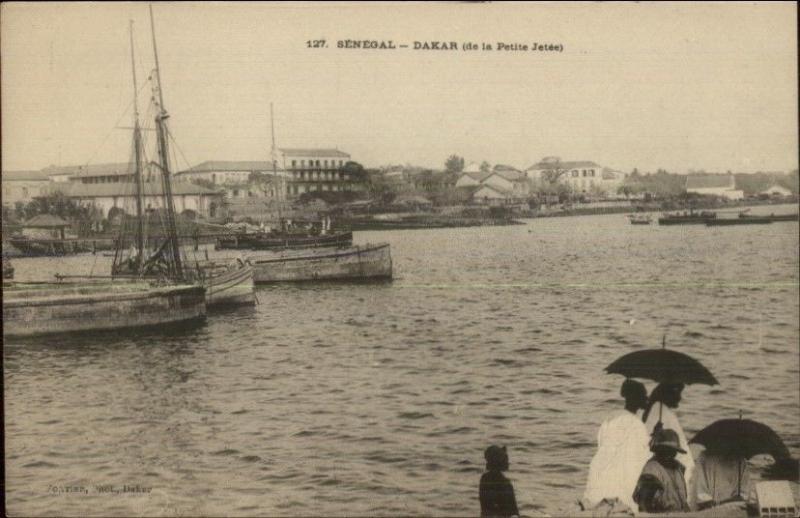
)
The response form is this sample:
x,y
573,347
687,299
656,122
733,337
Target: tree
x,y
554,172
454,164
485,167
355,170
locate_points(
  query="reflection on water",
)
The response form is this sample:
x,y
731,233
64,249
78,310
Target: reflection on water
x,y
380,398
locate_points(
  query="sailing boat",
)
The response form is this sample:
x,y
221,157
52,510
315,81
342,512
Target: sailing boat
x,y
53,308
226,282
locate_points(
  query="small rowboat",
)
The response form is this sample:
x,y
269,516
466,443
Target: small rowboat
x,y
640,219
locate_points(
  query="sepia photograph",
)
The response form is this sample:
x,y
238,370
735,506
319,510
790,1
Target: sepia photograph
x,y
446,259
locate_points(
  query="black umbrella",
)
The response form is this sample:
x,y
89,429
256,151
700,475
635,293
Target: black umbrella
x,y
662,365
742,438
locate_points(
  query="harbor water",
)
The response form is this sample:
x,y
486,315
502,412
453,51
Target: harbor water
x,y
379,399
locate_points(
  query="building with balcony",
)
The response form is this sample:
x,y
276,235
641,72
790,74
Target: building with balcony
x,y
312,170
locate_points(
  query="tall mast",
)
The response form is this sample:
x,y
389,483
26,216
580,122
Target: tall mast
x,y
137,158
163,153
272,132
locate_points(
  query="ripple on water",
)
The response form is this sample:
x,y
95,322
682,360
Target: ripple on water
x,y
368,430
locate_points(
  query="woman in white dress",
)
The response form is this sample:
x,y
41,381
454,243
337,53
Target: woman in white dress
x,y
622,451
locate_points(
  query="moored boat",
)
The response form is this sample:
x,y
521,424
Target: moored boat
x,y
282,240
771,217
34,247
726,222
360,262
640,219
227,283
687,218
150,257
60,308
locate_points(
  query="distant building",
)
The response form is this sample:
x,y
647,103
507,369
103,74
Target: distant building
x,y
582,176
91,173
506,183
777,190
318,170
236,178
121,196
723,185
45,226
472,178
492,195
23,186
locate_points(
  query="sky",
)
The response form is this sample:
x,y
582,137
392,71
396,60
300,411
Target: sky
x,y
646,85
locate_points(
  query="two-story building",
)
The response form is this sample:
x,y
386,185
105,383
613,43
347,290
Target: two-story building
x,y
91,173
582,176
318,170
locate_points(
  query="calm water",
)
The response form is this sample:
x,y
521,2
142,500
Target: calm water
x,y
379,399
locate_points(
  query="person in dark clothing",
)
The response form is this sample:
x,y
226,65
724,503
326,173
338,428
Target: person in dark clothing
x,y
661,487
495,491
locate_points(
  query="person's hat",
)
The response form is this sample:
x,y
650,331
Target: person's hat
x,y
667,438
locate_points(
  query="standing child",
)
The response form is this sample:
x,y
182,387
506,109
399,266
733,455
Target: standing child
x,y
496,492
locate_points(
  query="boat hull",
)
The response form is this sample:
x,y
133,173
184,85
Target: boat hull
x,y
48,247
232,287
265,242
683,221
367,262
737,221
63,309
772,217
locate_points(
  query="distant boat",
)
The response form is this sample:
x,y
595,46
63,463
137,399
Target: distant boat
x,y
640,219
687,218
771,217
361,262
283,240
726,222
49,238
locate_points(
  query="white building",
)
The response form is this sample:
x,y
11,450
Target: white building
x,y
105,197
23,186
318,170
581,176
723,185
91,173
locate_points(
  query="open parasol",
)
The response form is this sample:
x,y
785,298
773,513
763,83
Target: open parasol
x,y
742,438
663,366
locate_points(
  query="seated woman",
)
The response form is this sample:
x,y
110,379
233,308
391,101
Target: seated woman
x,y
720,478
